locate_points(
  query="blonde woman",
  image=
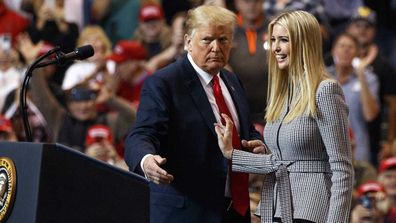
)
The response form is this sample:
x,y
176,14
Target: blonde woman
x,y
92,69
310,160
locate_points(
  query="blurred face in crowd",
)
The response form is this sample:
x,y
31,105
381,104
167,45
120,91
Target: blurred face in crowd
x,y
151,29
388,179
8,136
127,70
249,9
280,46
344,50
98,46
363,31
210,46
5,59
83,110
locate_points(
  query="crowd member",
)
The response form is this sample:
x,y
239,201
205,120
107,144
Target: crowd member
x,y
99,145
152,31
11,23
363,28
371,204
50,25
6,130
11,110
173,142
30,52
10,76
119,18
175,50
93,69
69,126
248,44
360,87
38,125
82,113
306,131
130,70
387,176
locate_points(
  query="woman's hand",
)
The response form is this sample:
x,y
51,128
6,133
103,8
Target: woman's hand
x,y
224,136
255,146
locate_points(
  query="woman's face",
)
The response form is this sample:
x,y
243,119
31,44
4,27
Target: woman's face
x,y
281,46
344,51
98,45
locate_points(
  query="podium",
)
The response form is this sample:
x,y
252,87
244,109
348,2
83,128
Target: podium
x,y
57,184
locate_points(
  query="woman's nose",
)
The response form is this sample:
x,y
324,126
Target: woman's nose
x,y
275,46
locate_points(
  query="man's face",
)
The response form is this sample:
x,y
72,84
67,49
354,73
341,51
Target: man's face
x,y
152,30
83,110
389,181
127,70
363,31
210,46
250,9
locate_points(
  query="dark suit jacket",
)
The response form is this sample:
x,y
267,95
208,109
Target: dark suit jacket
x,y
175,120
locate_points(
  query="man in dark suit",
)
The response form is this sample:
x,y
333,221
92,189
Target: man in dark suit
x,y
173,142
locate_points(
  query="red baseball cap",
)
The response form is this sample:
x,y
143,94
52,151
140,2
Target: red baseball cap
x,y
128,50
5,125
371,186
98,133
386,164
150,11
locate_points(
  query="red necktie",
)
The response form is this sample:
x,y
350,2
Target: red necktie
x,y
239,181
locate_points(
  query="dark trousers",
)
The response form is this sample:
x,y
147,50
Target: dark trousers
x,y
231,216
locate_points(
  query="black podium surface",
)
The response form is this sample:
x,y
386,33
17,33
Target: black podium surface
x,y
57,184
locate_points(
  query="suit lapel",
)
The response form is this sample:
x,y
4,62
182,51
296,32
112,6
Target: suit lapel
x,y
236,96
198,94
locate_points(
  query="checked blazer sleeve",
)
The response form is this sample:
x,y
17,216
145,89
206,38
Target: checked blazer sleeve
x,y
332,121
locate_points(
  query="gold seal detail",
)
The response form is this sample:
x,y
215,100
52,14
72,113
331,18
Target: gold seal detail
x,y
7,187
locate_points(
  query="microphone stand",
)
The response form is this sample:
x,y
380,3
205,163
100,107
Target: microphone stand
x,y
22,96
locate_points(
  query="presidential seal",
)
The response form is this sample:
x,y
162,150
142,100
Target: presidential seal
x,y
7,187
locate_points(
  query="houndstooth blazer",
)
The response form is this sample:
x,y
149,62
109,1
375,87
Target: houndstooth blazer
x,y
317,155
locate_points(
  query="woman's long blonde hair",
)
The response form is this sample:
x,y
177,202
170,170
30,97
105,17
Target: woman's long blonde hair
x,y
296,85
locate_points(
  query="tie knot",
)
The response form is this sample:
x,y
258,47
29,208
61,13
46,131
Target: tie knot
x,y
215,82
215,79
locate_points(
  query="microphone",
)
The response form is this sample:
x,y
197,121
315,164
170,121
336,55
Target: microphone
x,y
79,53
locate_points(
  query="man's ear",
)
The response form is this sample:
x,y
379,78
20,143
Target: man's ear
x,y
187,42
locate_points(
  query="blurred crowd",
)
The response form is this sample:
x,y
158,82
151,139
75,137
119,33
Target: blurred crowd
x,y
90,105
